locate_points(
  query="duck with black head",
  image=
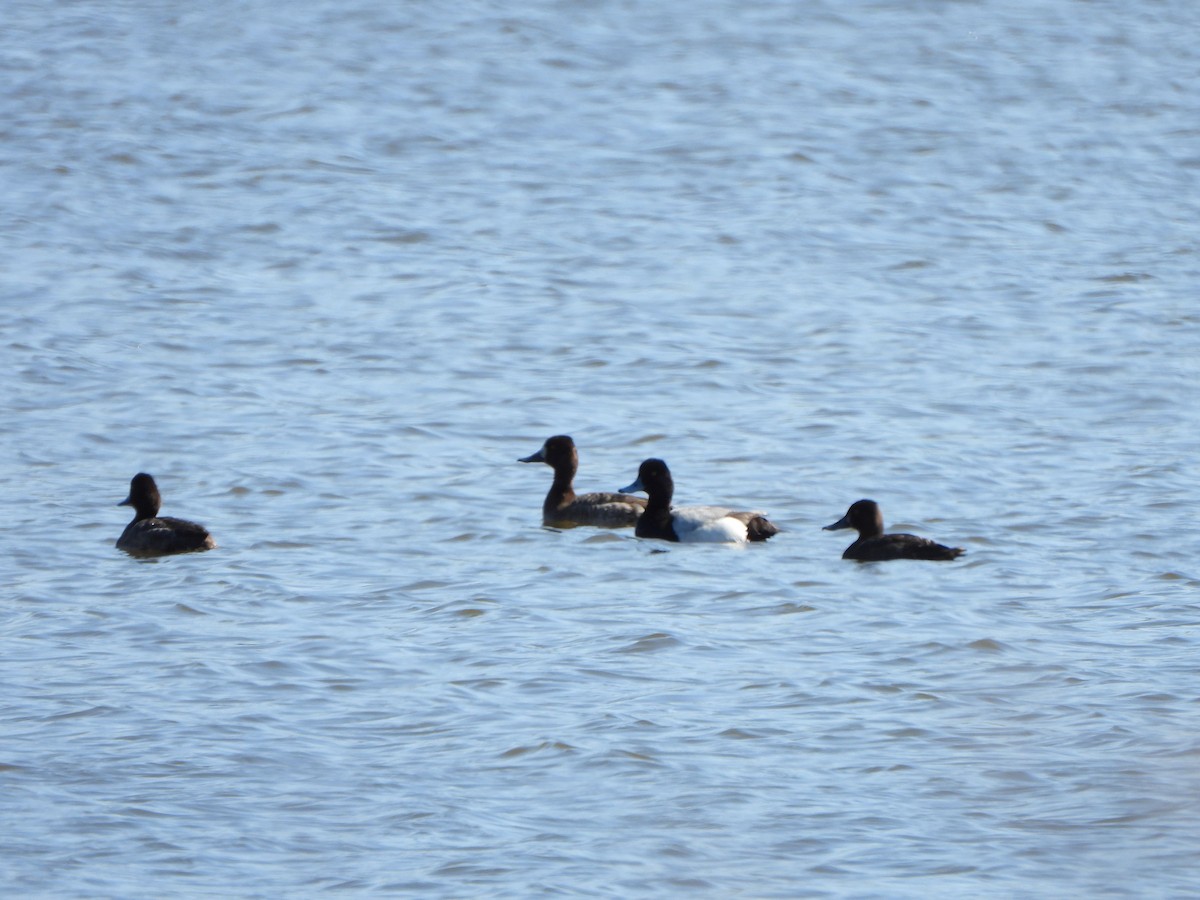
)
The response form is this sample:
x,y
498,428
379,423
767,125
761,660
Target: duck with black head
x,y
152,535
563,508
691,524
873,545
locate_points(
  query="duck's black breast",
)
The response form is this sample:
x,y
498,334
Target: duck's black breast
x,y
899,546
163,536
656,523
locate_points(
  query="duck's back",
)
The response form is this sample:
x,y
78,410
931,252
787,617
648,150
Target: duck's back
x,y
163,535
899,546
605,510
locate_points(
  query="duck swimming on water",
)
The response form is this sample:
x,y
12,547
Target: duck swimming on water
x,y
563,508
873,545
151,535
691,524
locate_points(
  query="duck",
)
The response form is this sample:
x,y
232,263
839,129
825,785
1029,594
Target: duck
x,y
151,535
691,524
563,508
873,545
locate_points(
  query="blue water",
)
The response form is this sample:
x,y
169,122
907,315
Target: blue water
x,y
327,270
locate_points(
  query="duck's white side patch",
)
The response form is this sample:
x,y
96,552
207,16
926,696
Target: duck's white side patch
x,y
707,524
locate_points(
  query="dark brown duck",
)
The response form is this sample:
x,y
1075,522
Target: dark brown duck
x,y
563,508
873,545
152,535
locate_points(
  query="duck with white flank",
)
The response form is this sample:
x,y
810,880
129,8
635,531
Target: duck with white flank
x,y
691,524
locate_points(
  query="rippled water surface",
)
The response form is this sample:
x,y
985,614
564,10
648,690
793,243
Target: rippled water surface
x,y
327,269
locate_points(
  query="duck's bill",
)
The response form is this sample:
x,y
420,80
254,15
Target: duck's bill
x,y
843,522
632,488
540,456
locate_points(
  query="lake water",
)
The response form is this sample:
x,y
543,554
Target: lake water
x,y
327,269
